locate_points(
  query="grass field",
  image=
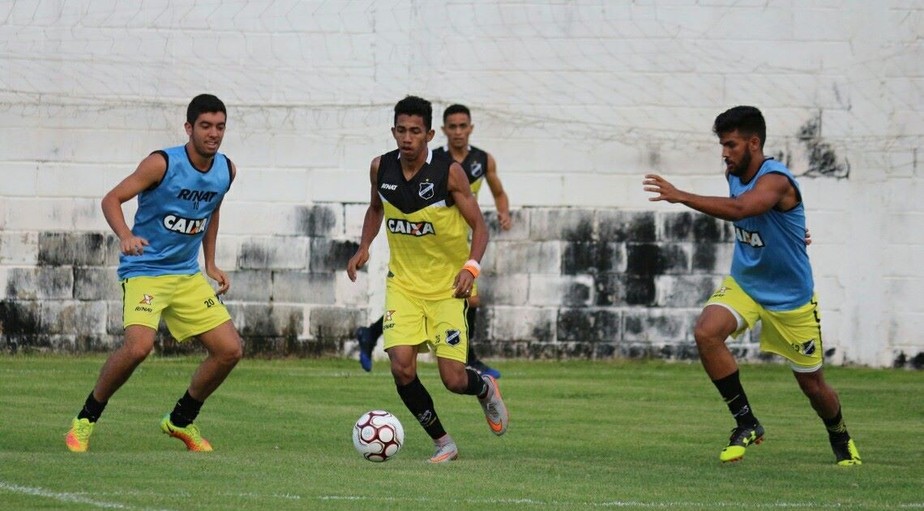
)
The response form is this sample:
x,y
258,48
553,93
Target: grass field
x,y
583,435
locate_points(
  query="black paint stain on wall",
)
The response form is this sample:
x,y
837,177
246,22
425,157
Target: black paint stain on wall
x,y
576,294
678,226
48,281
62,249
315,220
704,257
823,161
627,227
640,290
642,228
252,255
903,360
20,324
643,259
648,259
582,231
587,325
542,330
608,290
709,229
331,255
587,258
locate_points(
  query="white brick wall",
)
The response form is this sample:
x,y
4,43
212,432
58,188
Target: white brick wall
x,y
576,100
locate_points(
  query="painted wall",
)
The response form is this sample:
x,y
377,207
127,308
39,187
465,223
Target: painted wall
x,y
576,100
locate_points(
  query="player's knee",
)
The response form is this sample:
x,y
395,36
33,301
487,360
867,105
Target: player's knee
x,y
137,349
454,387
403,374
230,352
814,386
235,353
706,339
455,383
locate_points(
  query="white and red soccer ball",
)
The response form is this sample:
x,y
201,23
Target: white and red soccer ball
x,y
378,435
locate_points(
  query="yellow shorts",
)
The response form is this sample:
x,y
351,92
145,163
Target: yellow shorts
x,y
187,303
437,324
794,334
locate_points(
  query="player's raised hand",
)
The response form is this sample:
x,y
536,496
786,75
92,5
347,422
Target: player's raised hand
x,y
663,188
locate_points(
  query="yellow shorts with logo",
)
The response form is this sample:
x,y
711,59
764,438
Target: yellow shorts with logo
x,y
187,303
436,324
794,334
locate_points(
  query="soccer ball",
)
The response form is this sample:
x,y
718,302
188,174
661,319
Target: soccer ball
x,y
378,435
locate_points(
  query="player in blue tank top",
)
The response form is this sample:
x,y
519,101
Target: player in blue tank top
x,y
770,281
179,191
173,217
770,261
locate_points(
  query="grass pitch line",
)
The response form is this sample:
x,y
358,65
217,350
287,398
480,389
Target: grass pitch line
x,y
66,497
632,504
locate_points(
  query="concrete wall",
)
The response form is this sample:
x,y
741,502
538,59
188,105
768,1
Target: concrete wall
x,y
576,100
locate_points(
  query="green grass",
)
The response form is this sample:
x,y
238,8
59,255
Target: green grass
x,y
583,435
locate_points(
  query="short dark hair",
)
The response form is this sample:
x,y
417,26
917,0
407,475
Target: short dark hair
x,y
456,109
746,119
201,104
413,105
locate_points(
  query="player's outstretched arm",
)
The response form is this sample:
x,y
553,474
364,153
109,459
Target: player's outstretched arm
x,y
767,193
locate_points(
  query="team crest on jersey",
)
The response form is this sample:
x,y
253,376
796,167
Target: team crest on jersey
x,y
427,190
475,169
182,225
399,226
749,238
453,337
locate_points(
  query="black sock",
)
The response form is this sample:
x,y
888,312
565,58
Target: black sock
x,y
476,384
185,411
92,409
471,318
418,401
837,429
376,328
733,393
